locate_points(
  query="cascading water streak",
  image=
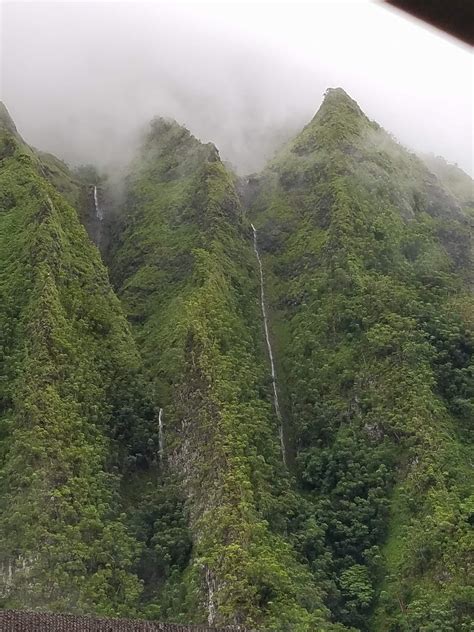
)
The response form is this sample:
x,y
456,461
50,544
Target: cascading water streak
x,y
276,402
98,211
160,434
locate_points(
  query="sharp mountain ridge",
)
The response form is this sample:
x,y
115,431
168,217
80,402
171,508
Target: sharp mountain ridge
x,y
239,401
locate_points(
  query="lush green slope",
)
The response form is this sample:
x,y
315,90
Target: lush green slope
x,y
369,262
77,188
187,277
454,179
72,404
167,496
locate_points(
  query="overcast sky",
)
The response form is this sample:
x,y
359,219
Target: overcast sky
x,y
79,78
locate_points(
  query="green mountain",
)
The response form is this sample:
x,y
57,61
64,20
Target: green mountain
x,y
279,436
185,270
453,179
73,405
369,264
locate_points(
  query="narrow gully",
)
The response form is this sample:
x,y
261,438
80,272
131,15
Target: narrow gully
x,y
276,402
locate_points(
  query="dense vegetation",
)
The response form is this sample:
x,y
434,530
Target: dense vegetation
x,y
453,179
185,269
371,269
141,472
73,406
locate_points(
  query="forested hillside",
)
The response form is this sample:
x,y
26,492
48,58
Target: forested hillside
x,y
73,404
185,270
453,179
371,278
146,468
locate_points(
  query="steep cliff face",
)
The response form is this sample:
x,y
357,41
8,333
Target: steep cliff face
x,y
186,273
72,404
369,262
458,183
84,189
141,464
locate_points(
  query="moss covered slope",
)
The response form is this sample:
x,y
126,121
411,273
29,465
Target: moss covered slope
x,y
454,179
140,467
369,263
72,404
187,277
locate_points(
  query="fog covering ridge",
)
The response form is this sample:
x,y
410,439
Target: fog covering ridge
x,y
82,80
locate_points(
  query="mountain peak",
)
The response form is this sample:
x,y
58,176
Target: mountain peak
x,y
336,100
338,122
337,93
6,121
168,135
173,150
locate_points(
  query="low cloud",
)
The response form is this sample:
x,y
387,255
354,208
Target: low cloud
x,y
82,79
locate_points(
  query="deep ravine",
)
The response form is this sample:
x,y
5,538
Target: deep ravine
x,y
276,402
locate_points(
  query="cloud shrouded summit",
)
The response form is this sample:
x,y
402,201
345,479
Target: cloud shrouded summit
x,y
80,79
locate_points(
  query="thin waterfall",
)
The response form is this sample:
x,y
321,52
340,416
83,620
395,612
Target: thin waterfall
x,y
211,589
98,211
160,434
276,403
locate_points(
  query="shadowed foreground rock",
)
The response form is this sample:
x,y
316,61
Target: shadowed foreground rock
x,y
14,621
